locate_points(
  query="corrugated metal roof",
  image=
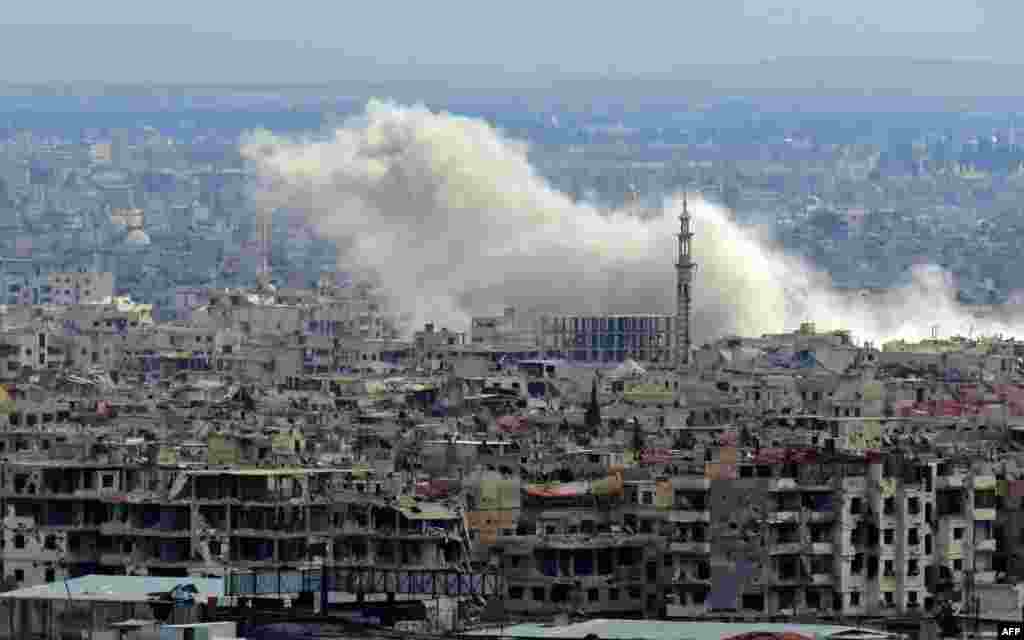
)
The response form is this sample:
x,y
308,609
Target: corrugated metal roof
x,y
116,588
665,630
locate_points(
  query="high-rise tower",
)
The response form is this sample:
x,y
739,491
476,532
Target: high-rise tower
x,y
685,267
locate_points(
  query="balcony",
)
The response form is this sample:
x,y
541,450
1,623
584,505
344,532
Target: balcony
x,y
856,485
780,517
115,528
115,558
630,574
984,482
912,519
786,548
984,514
689,610
913,549
692,483
821,516
985,545
782,579
703,548
985,577
955,481
521,573
822,579
679,515
782,484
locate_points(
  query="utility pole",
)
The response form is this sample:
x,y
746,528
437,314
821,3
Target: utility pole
x,y
971,600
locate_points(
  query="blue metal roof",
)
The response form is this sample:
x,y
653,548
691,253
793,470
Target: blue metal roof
x,y
117,588
668,630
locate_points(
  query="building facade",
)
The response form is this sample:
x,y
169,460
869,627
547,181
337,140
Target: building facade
x,y
645,338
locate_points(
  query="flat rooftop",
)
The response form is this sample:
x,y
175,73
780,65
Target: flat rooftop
x,y
667,630
97,588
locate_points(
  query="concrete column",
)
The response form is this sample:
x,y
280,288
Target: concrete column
x,y
193,521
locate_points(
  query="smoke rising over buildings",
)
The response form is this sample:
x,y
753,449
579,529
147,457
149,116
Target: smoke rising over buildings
x,y
450,216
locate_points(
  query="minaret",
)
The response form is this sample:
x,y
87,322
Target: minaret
x,y
684,280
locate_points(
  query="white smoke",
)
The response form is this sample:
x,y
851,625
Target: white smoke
x,y
452,218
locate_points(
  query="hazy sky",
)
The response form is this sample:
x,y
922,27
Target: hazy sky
x,y
311,40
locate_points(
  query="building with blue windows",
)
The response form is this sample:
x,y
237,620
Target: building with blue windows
x,y
608,338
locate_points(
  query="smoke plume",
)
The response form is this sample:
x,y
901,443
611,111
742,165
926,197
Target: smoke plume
x,y
451,217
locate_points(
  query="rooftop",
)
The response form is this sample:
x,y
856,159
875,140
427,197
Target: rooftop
x,y
116,589
662,630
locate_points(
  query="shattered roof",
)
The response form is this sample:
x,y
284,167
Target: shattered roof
x,y
116,588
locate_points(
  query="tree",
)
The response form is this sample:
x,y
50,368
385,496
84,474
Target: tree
x,y
746,438
592,418
638,436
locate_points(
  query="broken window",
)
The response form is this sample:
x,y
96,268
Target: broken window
x,y
985,500
913,506
821,564
857,564
855,506
889,507
787,568
813,599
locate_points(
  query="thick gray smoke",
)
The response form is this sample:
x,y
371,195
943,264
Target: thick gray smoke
x,y
453,219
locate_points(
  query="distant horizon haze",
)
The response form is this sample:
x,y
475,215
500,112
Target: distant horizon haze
x,y
852,84
655,49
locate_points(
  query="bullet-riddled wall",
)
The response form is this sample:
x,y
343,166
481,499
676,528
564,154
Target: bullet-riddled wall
x,y
739,554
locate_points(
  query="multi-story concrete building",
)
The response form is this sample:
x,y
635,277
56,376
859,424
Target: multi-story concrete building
x,y
608,338
90,509
80,288
511,329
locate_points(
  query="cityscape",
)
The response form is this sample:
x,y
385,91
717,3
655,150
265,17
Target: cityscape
x,y
598,360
